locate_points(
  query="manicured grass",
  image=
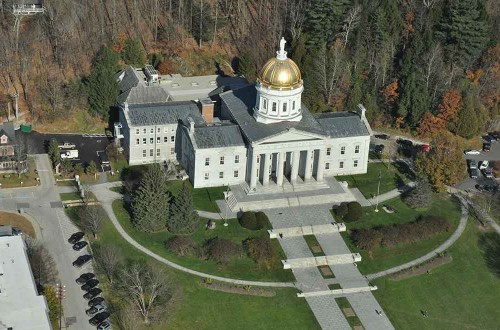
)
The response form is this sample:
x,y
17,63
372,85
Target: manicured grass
x,y
201,308
13,180
383,258
242,267
344,303
462,294
203,198
73,196
17,220
334,286
393,175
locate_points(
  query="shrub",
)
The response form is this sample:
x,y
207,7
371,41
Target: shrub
x,y
182,246
261,251
221,250
250,221
262,220
366,239
354,212
421,195
341,210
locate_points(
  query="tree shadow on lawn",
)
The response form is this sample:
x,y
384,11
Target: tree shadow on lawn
x,y
489,244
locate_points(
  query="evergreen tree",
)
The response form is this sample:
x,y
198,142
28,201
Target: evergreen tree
x,y
102,85
183,217
463,31
421,195
133,53
467,125
355,95
150,207
325,19
414,101
54,152
246,66
91,169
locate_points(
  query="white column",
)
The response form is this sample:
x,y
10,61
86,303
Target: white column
x,y
308,171
281,162
321,165
295,166
253,170
265,174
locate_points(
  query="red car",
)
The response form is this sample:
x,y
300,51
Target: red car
x,y
425,147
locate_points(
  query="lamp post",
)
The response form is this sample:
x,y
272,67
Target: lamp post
x,y
60,294
378,189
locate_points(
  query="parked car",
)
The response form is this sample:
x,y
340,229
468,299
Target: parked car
x,y
96,309
67,145
379,149
488,172
105,325
17,231
90,284
82,260
406,143
94,292
488,138
486,147
84,278
484,164
424,147
76,237
487,187
496,135
79,245
95,301
103,158
472,163
382,136
472,152
474,173
70,154
99,318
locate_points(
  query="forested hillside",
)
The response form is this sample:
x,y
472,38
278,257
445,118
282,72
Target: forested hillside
x,y
422,65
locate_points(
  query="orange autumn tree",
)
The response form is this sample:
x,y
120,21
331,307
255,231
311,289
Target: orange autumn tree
x,y
430,125
447,116
390,93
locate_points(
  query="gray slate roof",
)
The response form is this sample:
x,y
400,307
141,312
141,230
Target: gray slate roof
x,y
218,136
163,113
240,103
8,129
342,124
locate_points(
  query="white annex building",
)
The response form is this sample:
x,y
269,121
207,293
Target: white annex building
x,y
225,131
21,308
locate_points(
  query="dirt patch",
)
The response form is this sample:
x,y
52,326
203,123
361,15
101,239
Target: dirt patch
x,y
245,290
358,327
16,220
348,312
325,271
316,249
423,268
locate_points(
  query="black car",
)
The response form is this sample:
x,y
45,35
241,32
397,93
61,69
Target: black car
x,y
474,173
405,143
79,245
84,278
486,147
95,301
82,260
76,237
379,149
90,284
92,293
99,318
382,136
488,138
496,135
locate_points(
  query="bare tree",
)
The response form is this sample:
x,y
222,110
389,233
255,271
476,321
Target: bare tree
x,y
22,148
350,23
109,260
92,218
127,319
42,264
148,287
329,67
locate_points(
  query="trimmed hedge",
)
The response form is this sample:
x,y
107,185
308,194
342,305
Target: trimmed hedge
x,y
341,210
389,236
354,212
182,246
254,220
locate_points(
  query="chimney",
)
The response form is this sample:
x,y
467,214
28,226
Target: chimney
x,y
191,125
207,110
361,111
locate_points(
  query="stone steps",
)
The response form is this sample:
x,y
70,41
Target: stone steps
x,y
307,230
337,259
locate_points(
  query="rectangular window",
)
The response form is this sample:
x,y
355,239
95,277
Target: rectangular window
x,y
207,175
284,107
293,105
342,150
144,153
236,174
274,106
172,151
265,104
144,131
165,139
207,161
151,140
158,130
172,138
356,149
165,130
150,152
355,163
221,160
221,175
341,164
158,139
157,152
136,131
328,151
236,159
258,159
137,141
152,130
327,166
144,141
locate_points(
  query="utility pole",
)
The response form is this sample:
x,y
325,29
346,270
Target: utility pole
x,y
60,294
201,19
378,188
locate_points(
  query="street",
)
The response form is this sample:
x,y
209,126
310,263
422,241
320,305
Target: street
x,y
43,206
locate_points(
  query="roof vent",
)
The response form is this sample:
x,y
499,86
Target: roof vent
x,y
175,85
213,82
194,83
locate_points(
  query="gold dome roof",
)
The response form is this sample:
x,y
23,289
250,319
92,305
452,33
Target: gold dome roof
x,y
280,72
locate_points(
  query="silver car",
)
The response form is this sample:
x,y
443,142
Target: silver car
x,y
96,309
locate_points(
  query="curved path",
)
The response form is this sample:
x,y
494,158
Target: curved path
x,y
106,198
449,242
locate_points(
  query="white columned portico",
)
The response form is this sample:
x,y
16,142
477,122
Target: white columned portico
x,y
253,170
281,162
265,174
295,166
321,166
308,170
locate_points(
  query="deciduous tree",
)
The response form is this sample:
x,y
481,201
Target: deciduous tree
x,y
109,260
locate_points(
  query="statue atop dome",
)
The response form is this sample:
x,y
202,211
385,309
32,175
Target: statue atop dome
x,y
281,54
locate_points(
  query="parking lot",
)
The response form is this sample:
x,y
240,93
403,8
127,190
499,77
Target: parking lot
x,y
87,145
490,156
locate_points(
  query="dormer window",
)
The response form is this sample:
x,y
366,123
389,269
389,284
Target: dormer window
x,y
4,139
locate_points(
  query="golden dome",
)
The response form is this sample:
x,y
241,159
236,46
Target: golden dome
x,y
280,74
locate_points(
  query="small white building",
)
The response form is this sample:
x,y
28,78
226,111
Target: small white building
x,y
224,132
21,308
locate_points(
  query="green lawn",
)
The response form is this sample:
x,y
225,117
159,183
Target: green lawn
x,y
383,258
393,175
203,198
72,196
28,179
242,267
344,303
460,295
201,308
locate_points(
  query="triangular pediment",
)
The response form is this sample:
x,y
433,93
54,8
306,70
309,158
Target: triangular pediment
x,y
291,135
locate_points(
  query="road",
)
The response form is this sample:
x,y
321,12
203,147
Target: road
x,y
44,207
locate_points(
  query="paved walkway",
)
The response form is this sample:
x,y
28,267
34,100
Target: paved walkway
x,y
392,194
443,247
483,214
106,197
